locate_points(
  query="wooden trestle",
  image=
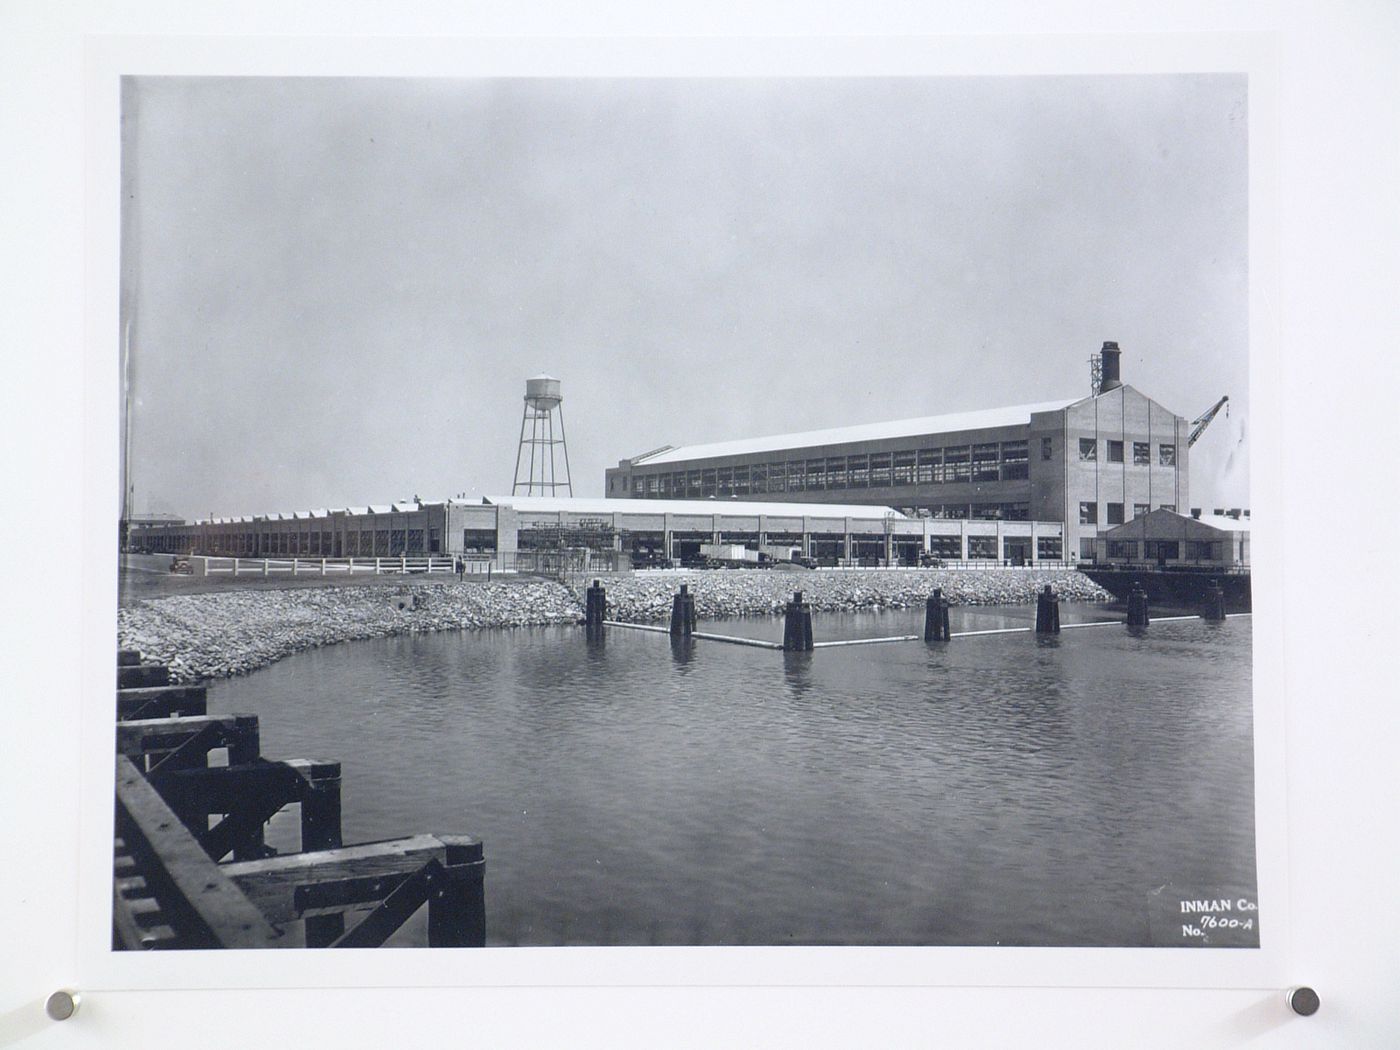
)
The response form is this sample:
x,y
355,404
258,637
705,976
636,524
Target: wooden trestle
x,y
184,880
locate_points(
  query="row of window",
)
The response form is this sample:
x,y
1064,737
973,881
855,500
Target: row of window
x,y
370,543
991,461
1113,452
1089,512
1152,550
980,511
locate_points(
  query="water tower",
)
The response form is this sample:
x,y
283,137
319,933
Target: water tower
x,y
542,405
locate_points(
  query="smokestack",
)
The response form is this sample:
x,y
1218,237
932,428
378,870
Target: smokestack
x,y
1109,356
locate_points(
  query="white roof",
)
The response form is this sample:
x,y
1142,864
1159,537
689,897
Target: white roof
x,y
577,505
1013,415
1225,522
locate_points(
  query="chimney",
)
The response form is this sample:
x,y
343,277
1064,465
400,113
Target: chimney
x,y
1219,512
1109,356
1196,513
1235,513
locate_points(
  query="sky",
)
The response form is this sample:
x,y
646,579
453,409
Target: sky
x,y
333,290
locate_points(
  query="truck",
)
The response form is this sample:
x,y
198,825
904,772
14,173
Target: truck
x,y
728,555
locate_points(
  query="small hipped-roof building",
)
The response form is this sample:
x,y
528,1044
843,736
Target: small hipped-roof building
x,y
1166,538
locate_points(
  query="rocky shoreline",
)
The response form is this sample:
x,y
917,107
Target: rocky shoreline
x,y
217,635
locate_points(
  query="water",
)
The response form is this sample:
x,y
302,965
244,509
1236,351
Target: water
x,y
994,790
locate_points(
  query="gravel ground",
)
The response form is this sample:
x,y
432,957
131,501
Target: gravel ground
x,y
234,632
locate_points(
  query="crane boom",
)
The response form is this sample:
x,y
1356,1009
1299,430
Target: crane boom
x,y
1199,424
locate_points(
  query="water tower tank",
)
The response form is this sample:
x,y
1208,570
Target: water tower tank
x,y
544,389
542,445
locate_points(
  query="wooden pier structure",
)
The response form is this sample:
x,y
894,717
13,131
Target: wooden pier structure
x,y
192,870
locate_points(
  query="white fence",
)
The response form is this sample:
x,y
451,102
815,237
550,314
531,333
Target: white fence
x,y
421,565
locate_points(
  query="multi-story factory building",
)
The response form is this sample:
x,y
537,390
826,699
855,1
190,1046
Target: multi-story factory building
x,y
1088,463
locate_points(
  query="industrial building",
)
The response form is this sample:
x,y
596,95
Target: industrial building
x,y
516,531
1085,464
1169,540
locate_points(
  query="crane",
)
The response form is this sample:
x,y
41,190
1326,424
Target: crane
x,y
1199,424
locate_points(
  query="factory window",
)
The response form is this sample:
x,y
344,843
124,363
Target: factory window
x,y
955,464
1139,509
1166,455
984,462
758,477
1115,452
816,474
381,543
1115,513
1123,550
1086,550
956,511
663,485
880,470
1088,514
1015,460
741,481
836,472
315,543
724,482
986,511
1047,446
949,548
707,483
777,477
478,539
904,468
796,481
693,483
434,541
396,541
1202,550
1049,548
653,485
1016,511
1163,550
859,469
1088,449
1142,454
982,547
639,486
930,466
415,541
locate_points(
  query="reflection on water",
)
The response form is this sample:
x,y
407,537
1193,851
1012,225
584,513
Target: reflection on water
x,y
1005,789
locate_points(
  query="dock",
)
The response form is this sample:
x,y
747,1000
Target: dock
x,y
191,868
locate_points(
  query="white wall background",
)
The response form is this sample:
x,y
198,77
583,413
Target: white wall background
x,y
1331,328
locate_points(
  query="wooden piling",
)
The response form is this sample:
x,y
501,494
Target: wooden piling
x,y
1047,612
595,609
797,625
1137,607
936,618
1215,602
683,612
320,830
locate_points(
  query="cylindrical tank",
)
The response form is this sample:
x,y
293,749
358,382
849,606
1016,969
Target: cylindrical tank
x,y
544,390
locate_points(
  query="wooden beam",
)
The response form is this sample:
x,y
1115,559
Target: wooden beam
x,y
162,701
204,905
239,733
128,657
273,884
134,676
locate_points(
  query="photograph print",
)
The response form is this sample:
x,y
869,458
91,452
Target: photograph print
x,y
666,511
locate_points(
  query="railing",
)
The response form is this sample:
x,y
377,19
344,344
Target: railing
x,y
404,565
